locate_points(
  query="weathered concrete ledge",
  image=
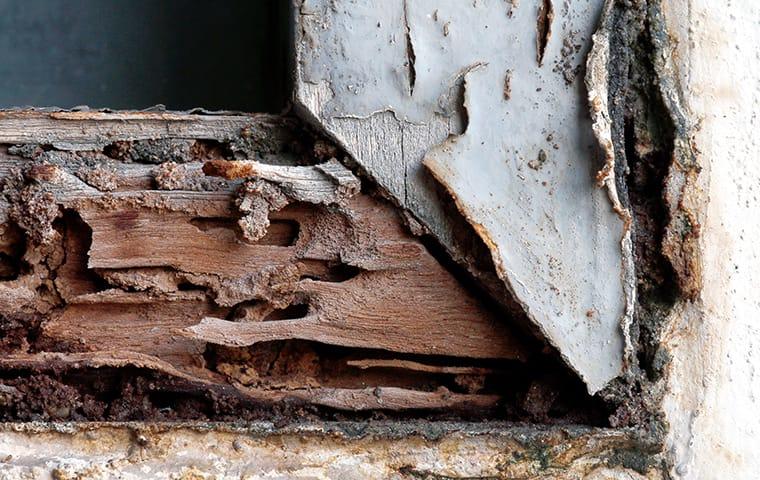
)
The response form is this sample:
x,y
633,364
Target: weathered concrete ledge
x,y
375,449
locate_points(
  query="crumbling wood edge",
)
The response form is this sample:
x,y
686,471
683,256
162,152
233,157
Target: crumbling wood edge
x,y
81,130
347,399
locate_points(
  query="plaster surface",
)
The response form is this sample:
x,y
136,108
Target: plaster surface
x,y
714,390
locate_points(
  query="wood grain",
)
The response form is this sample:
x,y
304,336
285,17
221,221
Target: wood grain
x,y
155,271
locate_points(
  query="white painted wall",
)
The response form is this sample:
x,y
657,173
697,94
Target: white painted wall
x,y
713,404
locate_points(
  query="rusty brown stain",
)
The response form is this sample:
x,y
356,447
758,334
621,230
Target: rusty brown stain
x,y
543,29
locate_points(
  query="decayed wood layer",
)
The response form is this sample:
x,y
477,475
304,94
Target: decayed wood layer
x,y
90,129
404,301
421,367
368,398
149,265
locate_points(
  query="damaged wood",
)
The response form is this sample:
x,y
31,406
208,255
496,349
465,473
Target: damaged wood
x,y
95,130
651,168
421,367
382,398
155,271
597,82
388,146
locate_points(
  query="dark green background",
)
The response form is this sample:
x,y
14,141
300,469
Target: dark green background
x,y
224,54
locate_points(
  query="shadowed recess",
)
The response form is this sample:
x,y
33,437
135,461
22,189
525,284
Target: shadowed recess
x,y
133,54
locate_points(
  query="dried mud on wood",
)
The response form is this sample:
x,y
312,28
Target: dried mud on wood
x,y
239,270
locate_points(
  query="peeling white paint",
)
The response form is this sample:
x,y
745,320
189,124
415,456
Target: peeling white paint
x,y
522,173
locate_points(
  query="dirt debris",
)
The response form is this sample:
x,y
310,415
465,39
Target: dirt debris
x,y
104,179
508,85
539,161
256,199
567,65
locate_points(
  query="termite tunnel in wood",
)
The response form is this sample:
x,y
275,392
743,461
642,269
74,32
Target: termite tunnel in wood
x,y
237,269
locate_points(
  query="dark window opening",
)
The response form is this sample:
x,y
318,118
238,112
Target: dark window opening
x,y
134,54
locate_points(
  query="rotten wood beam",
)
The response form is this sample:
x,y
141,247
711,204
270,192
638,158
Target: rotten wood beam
x,y
199,266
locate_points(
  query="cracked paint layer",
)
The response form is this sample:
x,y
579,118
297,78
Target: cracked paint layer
x,y
522,170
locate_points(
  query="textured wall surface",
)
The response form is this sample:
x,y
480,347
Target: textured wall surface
x,y
715,389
